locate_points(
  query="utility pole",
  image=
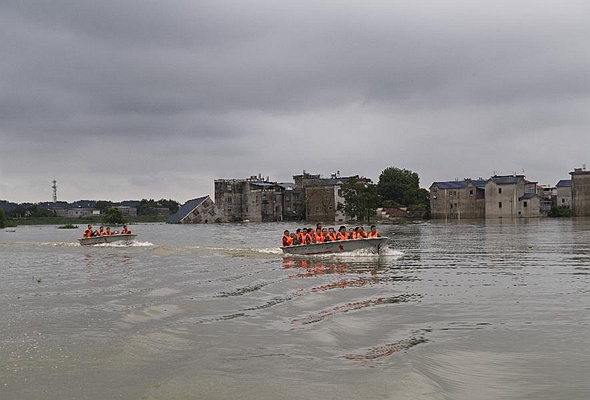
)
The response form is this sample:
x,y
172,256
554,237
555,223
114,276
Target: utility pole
x,y
54,190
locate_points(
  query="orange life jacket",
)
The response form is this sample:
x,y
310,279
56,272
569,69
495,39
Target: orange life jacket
x,y
361,235
100,232
373,234
332,236
306,238
124,231
87,233
287,240
341,236
319,238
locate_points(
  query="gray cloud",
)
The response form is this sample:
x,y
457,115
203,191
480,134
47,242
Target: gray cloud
x,y
130,99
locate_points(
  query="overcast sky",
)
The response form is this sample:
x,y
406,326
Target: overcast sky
x,y
120,99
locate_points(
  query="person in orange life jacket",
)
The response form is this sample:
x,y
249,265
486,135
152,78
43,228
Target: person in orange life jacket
x,y
351,234
317,236
325,235
125,231
88,232
373,233
331,234
305,236
100,231
360,233
287,240
297,237
341,235
108,231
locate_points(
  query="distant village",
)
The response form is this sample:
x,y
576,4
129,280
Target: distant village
x,y
311,197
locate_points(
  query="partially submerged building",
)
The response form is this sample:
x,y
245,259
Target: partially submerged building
x,y
581,192
196,211
564,193
511,196
254,199
458,199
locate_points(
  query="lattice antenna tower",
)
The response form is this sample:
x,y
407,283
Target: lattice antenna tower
x,y
54,190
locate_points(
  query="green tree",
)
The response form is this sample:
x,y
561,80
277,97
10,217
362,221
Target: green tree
x,y
148,207
561,211
361,199
401,188
103,206
113,216
2,218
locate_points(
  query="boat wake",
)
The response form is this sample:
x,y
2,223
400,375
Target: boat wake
x,y
124,244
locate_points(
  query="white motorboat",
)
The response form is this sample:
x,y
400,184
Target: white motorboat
x,y
127,238
337,246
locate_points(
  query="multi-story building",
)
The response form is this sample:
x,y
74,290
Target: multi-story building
x,y
581,192
322,196
256,199
458,199
511,196
564,193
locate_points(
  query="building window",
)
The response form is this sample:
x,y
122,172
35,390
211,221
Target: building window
x,y
229,187
563,200
471,192
229,209
451,205
229,200
524,205
500,190
500,205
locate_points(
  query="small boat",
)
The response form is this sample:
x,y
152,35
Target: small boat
x,y
126,238
335,247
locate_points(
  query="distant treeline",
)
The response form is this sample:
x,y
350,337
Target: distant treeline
x,y
147,211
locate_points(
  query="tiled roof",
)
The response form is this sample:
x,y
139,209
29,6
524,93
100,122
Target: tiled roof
x,y
506,180
459,184
528,196
184,210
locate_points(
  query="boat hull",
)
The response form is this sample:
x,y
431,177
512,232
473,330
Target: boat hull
x,y
338,246
107,239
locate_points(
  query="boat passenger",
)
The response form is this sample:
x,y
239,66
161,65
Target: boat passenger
x,y
287,240
108,231
360,233
88,232
332,234
125,231
325,236
306,237
373,233
100,231
341,235
351,234
318,237
297,239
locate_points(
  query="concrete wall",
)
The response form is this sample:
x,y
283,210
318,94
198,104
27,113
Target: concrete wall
x,y
457,203
581,192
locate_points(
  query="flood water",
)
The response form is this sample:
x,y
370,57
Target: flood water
x,y
471,310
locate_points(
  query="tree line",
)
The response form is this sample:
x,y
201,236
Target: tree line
x,y
108,210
